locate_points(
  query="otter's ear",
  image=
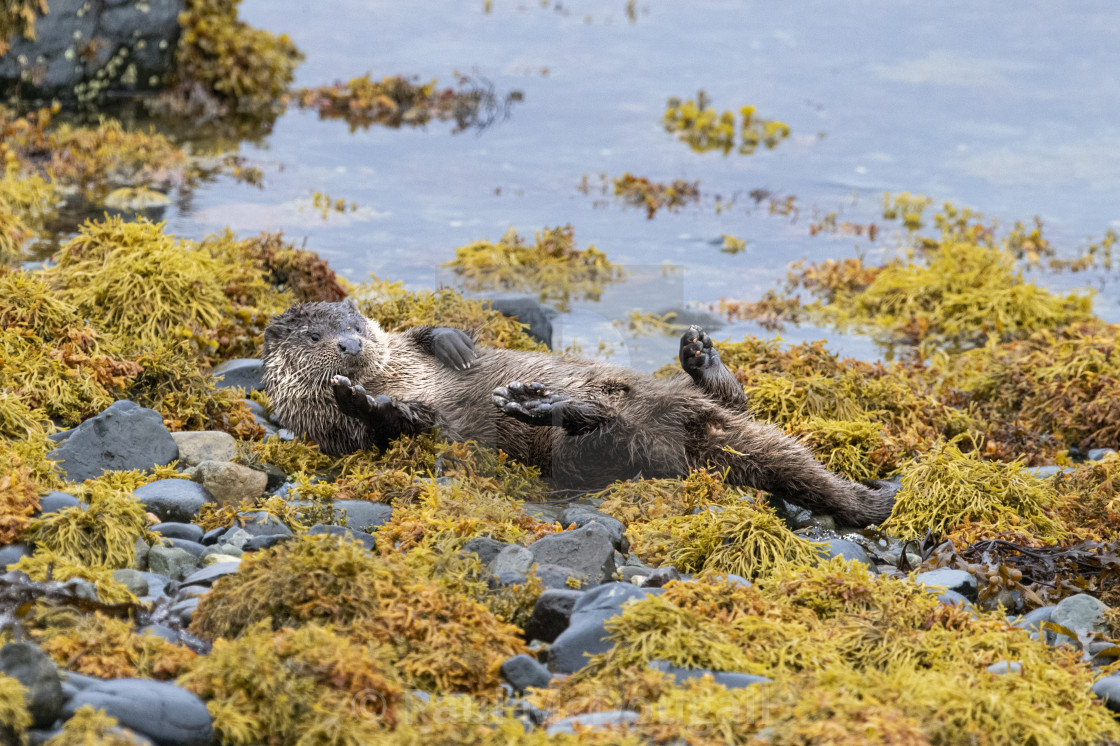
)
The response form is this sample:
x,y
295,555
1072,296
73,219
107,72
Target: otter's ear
x,y
351,303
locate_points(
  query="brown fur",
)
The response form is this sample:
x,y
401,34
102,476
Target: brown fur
x,y
654,427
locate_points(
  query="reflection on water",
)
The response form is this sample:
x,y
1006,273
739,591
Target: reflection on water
x,y
1012,110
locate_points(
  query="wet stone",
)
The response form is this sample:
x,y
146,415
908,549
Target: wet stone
x,y
513,558
1081,614
581,515
12,553
850,551
171,561
56,501
206,445
188,531
551,613
483,547
134,580
267,541
32,667
163,712
959,581
124,436
593,721
726,679
363,514
587,551
230,483
523,671
586,634
173,500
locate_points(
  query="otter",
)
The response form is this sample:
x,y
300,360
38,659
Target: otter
x,y
336,377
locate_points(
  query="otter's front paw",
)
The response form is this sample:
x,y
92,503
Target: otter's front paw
x,y
697,353
453,347
531,403
353,400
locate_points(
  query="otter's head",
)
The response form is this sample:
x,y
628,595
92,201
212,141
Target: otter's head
x,y
311,342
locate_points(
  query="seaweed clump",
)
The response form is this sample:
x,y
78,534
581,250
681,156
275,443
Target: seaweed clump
x,y
88,726
552,268
437,638
853,658
704,129
14,716
246,69
294,686
745,539
98,645
945,488
102,533
641,192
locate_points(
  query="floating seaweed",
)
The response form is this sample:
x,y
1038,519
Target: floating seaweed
x,y
704,129
639,191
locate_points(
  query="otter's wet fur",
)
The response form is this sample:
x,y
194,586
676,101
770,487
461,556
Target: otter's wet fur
x,y
628,423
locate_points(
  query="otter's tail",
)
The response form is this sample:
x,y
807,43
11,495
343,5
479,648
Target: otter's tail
x,y
761,456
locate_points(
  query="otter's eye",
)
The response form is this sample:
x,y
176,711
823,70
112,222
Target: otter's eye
x,y
315,336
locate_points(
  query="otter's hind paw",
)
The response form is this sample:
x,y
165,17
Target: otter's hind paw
x,y
697,353
532,403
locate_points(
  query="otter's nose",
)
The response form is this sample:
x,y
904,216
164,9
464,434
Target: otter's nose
x,y
351,344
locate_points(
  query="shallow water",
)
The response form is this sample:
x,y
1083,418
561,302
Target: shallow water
x,y
1008,108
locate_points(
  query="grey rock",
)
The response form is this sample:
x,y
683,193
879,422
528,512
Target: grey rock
x,y
531,312
157,584
1033,620
852,552
32,667
165,713
587,551
661,576
161,630
212,536
483,547
586,634
513,558
556,576
634,574
183,610
1081,614
230,483
123,436
82,589
195,549
173,500
244,372
550,614
204,445
523,671
593,721
952,598
1002,667
208,575
960,581
344,532
56,501
581,515
141,548
257,543
257,523
1098,454
726,679
12,553
363,514
171,530
134,580
1045,472
1108,689
171,561
234,537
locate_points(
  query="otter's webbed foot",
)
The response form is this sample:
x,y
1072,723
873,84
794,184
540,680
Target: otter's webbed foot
x,y
453,347
700,360
533,404
384,417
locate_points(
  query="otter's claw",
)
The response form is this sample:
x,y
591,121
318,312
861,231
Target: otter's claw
x,y
453,347
532,403
697,353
